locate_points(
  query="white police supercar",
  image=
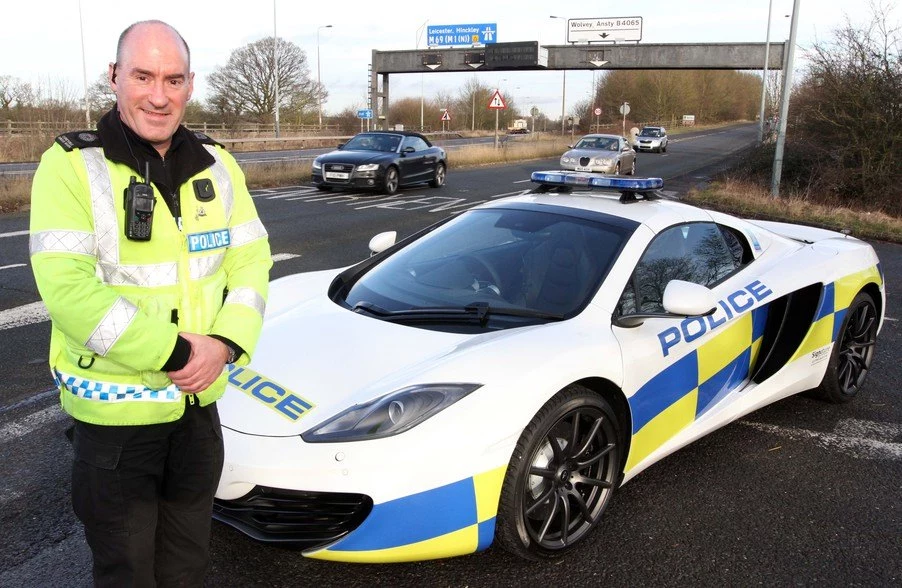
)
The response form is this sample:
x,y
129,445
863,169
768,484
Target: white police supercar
x,y
499,375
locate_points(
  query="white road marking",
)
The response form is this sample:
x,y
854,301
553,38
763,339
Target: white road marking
x,y
13,234
522,181
859,439
20,316
36,312
3,267
32,422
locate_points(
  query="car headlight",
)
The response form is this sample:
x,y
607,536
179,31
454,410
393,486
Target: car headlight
x,y
368,167
317,164
389,415
565,159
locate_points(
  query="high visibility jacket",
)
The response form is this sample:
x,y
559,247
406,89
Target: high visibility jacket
x,y
117,305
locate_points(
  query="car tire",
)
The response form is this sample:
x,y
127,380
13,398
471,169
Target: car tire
x,y
561,476
852,352
390,182
438,179
664,148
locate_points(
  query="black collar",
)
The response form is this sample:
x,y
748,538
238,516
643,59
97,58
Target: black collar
x,y
185,158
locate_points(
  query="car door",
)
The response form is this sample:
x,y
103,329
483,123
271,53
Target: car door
x,y
413,160
681,371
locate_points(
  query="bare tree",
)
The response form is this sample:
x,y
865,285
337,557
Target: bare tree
x,y
244,86
100,96
846,114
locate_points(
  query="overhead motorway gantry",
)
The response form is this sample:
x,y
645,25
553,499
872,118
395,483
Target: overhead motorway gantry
x,y
529,55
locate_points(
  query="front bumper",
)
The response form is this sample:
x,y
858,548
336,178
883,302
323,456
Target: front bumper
x,y
357,180
649,146
368,502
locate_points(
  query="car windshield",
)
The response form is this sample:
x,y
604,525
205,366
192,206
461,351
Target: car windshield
x,y
604,143
373,142
650,133
521,265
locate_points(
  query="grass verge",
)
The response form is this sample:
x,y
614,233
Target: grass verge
x,y
749,200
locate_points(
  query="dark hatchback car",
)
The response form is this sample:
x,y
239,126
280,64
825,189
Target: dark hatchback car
x,y
381,160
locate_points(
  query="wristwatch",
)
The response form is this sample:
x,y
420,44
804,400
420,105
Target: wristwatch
x,y
233,355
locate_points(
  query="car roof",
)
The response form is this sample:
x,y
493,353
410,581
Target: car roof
x,y
405,133
600,136
657,214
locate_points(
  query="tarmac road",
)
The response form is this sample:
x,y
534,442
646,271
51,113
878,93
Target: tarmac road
x,y
800,492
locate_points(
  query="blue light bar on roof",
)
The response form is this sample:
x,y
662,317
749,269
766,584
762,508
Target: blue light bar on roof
x,y
589,180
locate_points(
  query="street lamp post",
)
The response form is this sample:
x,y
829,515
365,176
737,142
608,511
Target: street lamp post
x,y
770,5
275,59
84,69
419,34
319,98
564,81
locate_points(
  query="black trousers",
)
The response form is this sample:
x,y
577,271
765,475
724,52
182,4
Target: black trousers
x,y
145,496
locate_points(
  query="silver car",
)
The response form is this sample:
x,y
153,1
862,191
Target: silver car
x,y
652,139
606,154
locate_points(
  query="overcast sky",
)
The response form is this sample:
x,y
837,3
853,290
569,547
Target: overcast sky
x,y
41,40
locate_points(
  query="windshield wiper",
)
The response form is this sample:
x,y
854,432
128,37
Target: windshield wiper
x,y
477,313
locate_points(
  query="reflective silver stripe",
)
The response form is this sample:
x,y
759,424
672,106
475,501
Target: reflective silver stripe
x,y
247,297
223,181
151,275
106,227
205,266
80,242
113,392
111,327
246,233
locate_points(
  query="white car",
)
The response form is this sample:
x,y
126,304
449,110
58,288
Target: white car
x,y
652,139
498,376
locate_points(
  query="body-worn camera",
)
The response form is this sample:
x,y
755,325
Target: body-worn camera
x,y
139,204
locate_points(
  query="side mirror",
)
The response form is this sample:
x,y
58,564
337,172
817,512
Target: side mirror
x,y
382,241
407,150
688,299
340,145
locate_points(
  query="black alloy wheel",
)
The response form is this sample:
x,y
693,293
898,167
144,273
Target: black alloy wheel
x,y
390,183
561,476
853,351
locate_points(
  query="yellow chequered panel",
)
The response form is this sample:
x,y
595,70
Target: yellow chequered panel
x,y
848,286
717,353
463,541
821,334
756,348
488,492
661,428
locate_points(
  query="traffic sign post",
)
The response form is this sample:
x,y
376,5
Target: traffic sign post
x,y
497,104
597,112
446,116
624,110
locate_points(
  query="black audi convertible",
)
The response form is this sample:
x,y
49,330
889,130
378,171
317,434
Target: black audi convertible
x,y
381,160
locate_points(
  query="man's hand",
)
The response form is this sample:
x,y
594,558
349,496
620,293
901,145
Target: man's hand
x,y
208,357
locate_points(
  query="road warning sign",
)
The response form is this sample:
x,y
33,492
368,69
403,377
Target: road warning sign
x,y
446,115
497,102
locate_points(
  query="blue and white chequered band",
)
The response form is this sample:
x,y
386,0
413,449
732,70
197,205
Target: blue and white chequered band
x,y
110,392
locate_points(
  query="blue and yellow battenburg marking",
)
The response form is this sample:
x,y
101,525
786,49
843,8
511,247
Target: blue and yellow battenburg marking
x,y
674,398
450,520
275,396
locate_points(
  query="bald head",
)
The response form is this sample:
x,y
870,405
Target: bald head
x,y
158,26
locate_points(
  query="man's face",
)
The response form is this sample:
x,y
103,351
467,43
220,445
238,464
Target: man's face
x,y
152,83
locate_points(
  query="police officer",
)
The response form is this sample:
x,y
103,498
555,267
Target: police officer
x,y
154,266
